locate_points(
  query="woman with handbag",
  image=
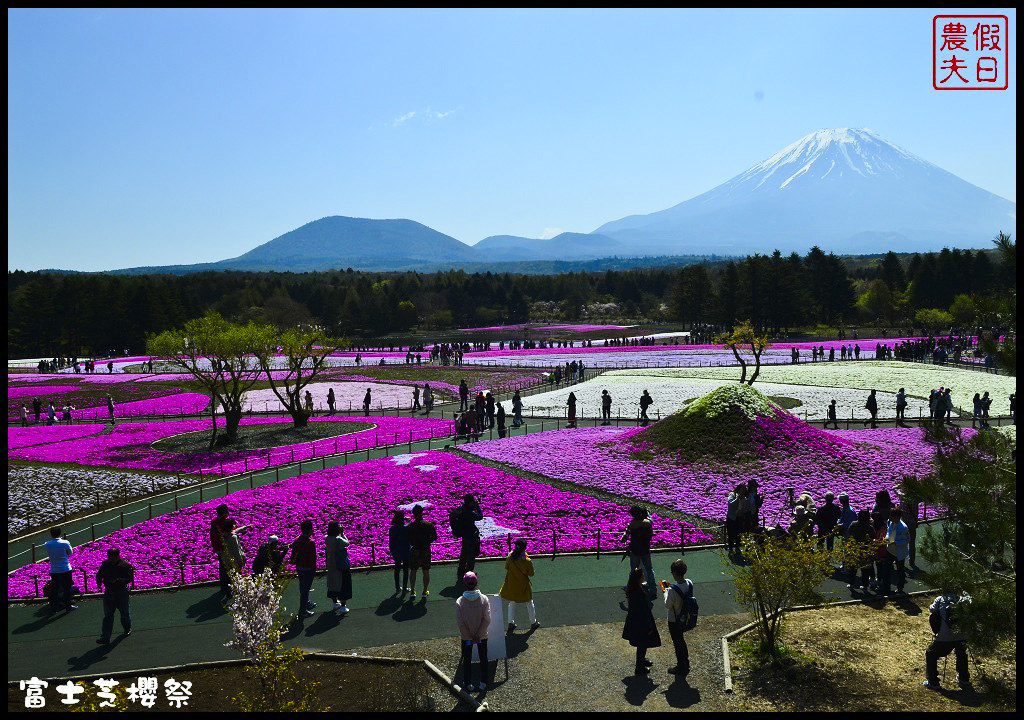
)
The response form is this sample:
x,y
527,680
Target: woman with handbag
x,y
640,629
339,572
518,588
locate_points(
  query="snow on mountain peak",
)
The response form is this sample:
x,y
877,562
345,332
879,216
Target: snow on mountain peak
x,y
821,153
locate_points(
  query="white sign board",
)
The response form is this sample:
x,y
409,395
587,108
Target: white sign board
x,y
495,632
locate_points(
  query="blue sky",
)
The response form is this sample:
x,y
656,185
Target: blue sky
x,y
147,137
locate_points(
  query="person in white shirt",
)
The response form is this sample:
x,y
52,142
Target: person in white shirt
x,y
674,595
897,538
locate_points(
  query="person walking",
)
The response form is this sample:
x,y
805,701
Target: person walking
x,y
571,412
901,407
466,517
640,628
463,395
59,551
415,398
518,588
639,533
366,403
675,597
114,578
832,416
398,547
946,639
606,408
872,407
421,536
303,557
517,410
473,618
339,568
110,407
645,402
330,401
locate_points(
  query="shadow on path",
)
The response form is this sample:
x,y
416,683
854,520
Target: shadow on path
x,y
87,659
680,695
638,687
206,609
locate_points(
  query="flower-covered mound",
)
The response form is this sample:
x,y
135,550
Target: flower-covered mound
x,y
129,445
362,497
779,451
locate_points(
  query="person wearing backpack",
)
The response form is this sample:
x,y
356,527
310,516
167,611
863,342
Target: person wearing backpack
x,y
942,618
682,609
463,522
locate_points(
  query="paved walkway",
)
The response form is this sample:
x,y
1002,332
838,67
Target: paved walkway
x,y
189,625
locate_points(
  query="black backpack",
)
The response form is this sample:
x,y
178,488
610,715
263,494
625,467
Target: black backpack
x,y
935,619
691,609
455,522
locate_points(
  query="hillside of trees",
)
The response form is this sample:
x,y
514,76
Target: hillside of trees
x,y
52,314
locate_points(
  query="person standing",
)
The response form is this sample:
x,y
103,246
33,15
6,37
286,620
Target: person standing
x,y
881,509
270,554
490,410
233,553
847,515
826,518
640,628
415,398
479,404
473,617
467,516
517,410
330,401
645,402
946,640
501,421
309,403
862,534
339,567
24,415
754,502
217,530
901,407
832,416
675,595
639,533
872,407
976,414
110,407
518,588
897,548
428,398
304,559
571,412
606,408
59,551
398,547
37,408
366,403
463,395
114,578
735,505
947,407
986,403
421,536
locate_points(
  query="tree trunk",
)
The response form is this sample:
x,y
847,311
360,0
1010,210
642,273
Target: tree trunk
x,y
231,420
300,418
213,420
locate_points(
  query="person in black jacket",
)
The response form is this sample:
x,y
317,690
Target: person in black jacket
x,y
640,629
826,518
114,576
270,554
469,515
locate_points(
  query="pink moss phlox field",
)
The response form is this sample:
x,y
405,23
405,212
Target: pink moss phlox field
x,y
362,497
40,391
129,445
583,328
19,437
857,462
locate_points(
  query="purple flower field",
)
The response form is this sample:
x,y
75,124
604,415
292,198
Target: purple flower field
x,y
178,404
791,453
129,445
19,437
362,497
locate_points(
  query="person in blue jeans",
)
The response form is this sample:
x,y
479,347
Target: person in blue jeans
x,y
640,533
59,550
114,577
304,559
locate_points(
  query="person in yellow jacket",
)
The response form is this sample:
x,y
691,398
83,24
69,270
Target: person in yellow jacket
x,y
517,588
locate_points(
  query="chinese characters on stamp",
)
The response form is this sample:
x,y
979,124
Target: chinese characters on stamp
x,y
970,52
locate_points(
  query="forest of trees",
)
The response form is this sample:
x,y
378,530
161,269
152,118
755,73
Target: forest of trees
x,y
52,314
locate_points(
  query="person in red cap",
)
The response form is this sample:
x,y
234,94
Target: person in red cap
x,y
473,616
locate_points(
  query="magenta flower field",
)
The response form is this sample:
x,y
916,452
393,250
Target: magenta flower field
x,y
857,462
19,437
177,404
362,497
129,445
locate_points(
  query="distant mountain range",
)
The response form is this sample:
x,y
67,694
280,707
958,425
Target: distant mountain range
x,y
847,191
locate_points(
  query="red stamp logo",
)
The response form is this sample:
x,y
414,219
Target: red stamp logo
x,y
970,52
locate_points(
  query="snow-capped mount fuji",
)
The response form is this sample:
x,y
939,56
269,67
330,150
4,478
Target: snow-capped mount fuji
x,y
845,190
